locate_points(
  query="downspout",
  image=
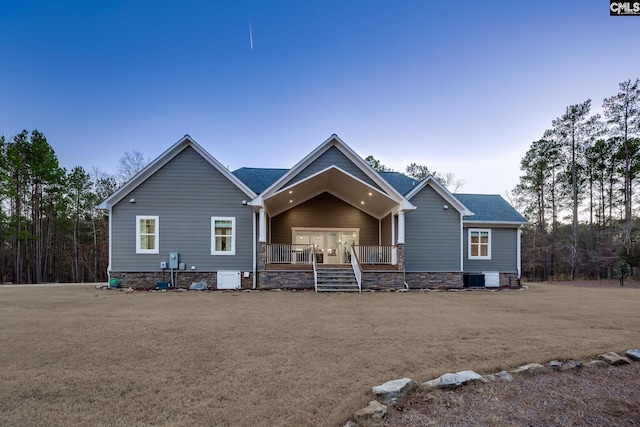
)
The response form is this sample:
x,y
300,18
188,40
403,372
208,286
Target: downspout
x,y
461,243
518,256
255,237
110,242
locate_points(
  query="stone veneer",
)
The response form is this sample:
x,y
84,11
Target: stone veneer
x,y
382,280
301,279
286,279
509,280
148,279
434,280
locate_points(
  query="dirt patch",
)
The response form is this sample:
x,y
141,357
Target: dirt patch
x,y
582,397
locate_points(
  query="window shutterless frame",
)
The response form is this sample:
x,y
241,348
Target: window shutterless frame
x,y
147,234
479,243
223,235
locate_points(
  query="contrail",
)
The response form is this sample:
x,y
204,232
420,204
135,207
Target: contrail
x,y
250,35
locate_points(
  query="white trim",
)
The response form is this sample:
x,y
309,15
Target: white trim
x,y
232,250
156,233
255,248
335,141
165,158
262,226
394,240
443,192
110,240
461,242
401,228
479,230
493,223
518,254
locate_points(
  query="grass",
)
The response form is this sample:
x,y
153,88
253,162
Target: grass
x,y
81,356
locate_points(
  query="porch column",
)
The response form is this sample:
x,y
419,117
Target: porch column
x,y
400,228
262,227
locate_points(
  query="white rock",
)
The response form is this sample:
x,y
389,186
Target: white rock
x,y
393,390
450,380
633,354
531,369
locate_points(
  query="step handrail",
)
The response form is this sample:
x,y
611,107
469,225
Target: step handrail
x,y
355,264
315,267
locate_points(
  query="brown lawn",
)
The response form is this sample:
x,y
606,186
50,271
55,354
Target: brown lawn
x,y
82,356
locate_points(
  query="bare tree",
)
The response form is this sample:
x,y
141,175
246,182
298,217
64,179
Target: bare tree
x,y
130,164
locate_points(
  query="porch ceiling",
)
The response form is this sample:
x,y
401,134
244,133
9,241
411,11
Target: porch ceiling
x,y
334,181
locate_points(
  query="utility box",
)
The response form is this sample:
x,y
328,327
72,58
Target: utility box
x,y
492,279
162,285
173,260
228,280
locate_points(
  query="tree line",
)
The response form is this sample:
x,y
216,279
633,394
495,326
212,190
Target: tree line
x,y
50,229
578,191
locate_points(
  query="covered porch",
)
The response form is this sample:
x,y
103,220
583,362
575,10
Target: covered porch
x,y
330,220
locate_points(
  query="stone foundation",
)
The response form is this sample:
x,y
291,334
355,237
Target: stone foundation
x,y
510,280
382,280
420,280
303,279
148,279
286,279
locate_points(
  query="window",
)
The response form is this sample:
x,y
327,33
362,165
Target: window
x,y
147,238
479,243
223,230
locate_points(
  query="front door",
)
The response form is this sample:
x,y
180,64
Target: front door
x,y
332,246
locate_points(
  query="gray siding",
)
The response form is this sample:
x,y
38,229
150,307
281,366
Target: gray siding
x,y
326,211
332,157
504,255
432,235
185,194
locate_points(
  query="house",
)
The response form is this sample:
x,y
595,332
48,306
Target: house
x,y
331,222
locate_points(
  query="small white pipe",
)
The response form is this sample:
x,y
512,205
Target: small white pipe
x,y
253,220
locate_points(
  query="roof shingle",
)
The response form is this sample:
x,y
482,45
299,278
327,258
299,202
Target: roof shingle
x,y
490,208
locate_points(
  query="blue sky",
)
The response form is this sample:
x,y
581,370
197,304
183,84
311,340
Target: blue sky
x,y
461,87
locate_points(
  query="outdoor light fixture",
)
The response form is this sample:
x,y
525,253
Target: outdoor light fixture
x,y
132,200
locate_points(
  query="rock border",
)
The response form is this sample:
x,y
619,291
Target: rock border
x,y
395,390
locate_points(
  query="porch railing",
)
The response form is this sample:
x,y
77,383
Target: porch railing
x,y
278,253
383,254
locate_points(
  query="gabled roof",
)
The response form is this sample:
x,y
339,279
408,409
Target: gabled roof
x,y
162,160
442,191
490,208
351,189
258,179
